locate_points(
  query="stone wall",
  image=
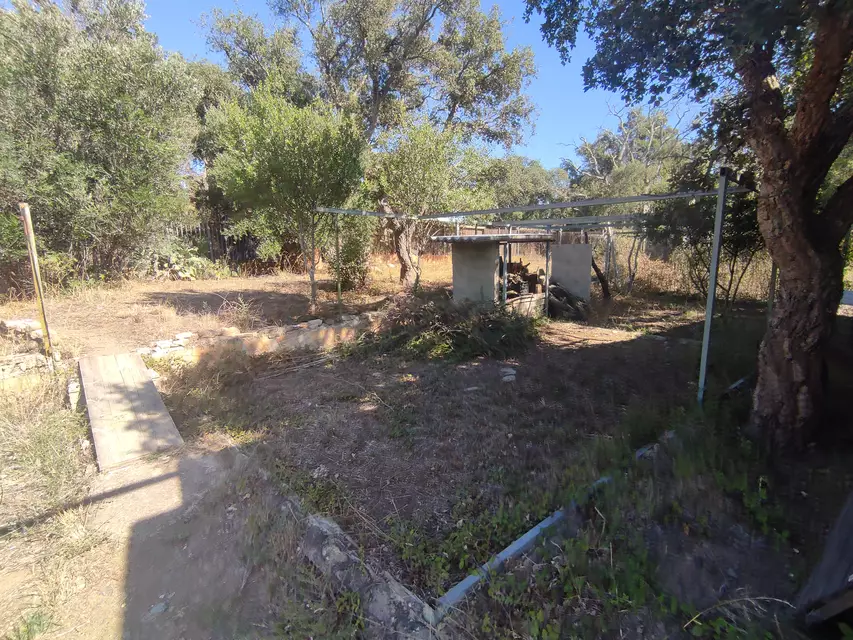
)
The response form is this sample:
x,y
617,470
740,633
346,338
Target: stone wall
x,y
312,334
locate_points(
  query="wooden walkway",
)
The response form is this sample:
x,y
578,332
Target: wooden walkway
x,y
127,414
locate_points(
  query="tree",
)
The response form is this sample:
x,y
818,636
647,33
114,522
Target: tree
x,y
638,157
690,224
282,161
96,124
417,170
790,63
439,58
254,57
516,180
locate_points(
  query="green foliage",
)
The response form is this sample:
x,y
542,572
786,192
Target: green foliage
x,y
356,241
175,259
443,60
98,126
637,157
30,626
638,53
444,330
281,162
516,180
255,57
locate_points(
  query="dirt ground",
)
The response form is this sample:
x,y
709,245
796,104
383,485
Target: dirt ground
x,y
122,316
431,465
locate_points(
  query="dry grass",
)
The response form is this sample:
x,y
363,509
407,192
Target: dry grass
x,y
46,463
44,448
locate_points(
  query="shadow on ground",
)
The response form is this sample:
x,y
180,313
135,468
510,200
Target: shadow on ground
x,y
259,307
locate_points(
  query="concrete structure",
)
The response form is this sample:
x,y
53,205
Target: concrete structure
x,y
476,263
528,304
475,271
571,267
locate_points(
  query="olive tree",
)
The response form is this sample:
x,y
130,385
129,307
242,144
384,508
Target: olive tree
x,y
417,170
281,162
791,63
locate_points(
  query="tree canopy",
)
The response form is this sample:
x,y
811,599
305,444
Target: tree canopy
x,y
446,60
97,126
282,161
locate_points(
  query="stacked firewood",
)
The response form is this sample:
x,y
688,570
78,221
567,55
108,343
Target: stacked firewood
x,y
562,303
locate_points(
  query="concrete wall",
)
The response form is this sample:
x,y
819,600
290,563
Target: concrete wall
x,y
475,271
571,266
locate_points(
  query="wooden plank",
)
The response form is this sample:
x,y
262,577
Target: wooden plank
x,y
126,412
833,576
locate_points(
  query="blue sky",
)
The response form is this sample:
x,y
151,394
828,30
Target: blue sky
x,y
564,111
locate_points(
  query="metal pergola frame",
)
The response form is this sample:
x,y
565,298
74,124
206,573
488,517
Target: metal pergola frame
x,y
581,222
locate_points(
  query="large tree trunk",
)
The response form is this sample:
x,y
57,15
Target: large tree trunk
x,y
403,231
789,396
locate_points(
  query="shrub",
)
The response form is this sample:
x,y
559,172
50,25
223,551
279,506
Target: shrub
x,y
431,329
176,259
356,241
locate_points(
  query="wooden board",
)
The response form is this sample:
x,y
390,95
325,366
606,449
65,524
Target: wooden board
x,y
830,582
127,414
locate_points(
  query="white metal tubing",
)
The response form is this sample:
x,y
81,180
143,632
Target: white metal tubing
x,y
578,220
505,274
589,202
712,280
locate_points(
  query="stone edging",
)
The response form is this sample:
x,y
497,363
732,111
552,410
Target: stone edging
x,y
312,334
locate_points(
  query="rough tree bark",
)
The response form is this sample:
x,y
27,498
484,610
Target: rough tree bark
x,y
802,237
403,235
403,232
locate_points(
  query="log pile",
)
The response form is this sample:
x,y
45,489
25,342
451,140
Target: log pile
x,y
562,303
521,281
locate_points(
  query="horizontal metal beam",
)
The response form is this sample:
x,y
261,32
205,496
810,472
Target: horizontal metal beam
x,y
496,237
567,222
361,212
588,202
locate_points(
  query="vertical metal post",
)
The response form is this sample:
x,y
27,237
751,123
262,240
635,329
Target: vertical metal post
x,y
338,261
771,294
712,280
505,276
457,227
29,234
510,246
547,271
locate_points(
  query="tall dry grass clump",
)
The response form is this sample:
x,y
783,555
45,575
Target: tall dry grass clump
x,y
44,450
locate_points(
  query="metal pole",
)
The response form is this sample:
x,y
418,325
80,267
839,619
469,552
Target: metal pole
x,y
29,234
547,271
510,246
457,227
771,295
505,277
712,280
338,260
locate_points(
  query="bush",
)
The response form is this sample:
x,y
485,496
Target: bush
x,y
176,259
356,240
442,329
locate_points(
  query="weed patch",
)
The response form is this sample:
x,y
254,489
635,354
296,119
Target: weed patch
x,y
440,329
44,448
